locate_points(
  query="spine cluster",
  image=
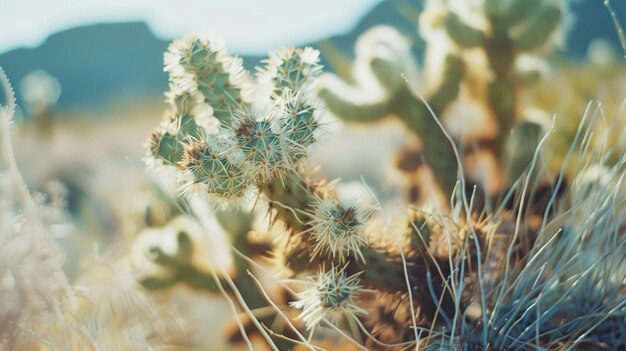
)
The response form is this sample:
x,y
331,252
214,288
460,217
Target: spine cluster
x,y
223,133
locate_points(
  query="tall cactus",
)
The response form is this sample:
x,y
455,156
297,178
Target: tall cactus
x,y
505,30
387,56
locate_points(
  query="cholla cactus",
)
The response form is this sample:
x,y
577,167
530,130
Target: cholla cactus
x,y
507,33
525,270
383,63
474,59
253,142
260,147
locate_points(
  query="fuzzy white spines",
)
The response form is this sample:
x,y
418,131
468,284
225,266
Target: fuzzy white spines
x,y
338,228
258,141
299,124
202,64
291,73
261,139
290,69
207,165
329,295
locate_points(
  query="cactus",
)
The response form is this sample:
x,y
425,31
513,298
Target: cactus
x,y
526,271
507,31
257,148
401,101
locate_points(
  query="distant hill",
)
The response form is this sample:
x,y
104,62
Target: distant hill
x,y
95,62
101,62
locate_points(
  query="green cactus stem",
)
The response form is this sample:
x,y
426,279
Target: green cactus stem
x,y
403,104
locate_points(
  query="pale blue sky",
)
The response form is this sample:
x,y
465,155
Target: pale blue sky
x,y
249,26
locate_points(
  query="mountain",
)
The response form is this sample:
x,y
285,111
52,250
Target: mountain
x,y
102,62
95,62
98,63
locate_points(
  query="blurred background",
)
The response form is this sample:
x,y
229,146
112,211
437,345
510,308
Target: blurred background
x,y
89,75
89,83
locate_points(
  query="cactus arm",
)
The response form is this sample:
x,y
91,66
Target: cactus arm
x,y
438,152
502,99
463,34
179,269
402,103
388,73
448,89
351,111
335,57
520,10
538,28
502,88
381,271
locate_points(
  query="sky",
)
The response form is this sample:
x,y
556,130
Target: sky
x,y
249,26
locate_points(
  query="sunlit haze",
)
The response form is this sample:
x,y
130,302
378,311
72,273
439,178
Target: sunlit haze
x,y
248,26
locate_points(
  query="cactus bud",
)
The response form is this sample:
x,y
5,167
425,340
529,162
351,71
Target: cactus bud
x,y
339,228
329,294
